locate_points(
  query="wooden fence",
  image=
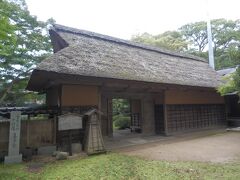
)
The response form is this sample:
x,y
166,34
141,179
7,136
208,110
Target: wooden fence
x,y
186,117
34,133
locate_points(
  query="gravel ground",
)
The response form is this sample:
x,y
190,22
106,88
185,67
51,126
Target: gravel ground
x,y
219,148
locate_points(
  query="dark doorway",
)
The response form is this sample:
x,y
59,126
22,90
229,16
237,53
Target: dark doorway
x,y
159,118
233,105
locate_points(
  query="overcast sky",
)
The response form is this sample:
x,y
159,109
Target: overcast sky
x,y
124,18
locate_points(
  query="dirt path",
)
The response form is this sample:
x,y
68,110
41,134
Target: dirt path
x,y
218,148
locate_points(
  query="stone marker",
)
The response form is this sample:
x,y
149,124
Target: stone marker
x,y
14,139
62,155
76,148
46,150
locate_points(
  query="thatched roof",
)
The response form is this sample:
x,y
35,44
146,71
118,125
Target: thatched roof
x,y
227,71
90,54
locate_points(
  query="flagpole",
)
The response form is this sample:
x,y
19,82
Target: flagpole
x,y
209,35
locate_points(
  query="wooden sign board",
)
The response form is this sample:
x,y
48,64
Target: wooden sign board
x,y
69,121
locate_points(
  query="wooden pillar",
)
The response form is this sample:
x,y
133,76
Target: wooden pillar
x,y
226,102
104,116
54,130
130,111
28,123
70,142
148,125
60,90
109,117
99,98
165,114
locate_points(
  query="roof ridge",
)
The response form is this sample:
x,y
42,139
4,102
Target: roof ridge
x,y
71,30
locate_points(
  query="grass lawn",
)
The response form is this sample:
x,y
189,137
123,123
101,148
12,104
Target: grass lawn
x,y
116,166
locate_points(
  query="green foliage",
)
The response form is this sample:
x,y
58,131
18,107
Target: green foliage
x,y
171,40
117,166
226,40
7,36
236,79
120,106
196,35
192,38
232,83
121,113
121,122
26,43
228,87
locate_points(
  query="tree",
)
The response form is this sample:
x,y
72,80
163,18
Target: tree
x,y
232,83
192,38
170,40
196,35
226,40
7,36
25,43
120,107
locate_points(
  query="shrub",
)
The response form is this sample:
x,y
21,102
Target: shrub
x,y
121,122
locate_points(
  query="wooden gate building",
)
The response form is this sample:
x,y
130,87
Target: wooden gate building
x,y
169,92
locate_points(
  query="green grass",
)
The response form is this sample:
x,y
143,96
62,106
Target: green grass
x,y
116,166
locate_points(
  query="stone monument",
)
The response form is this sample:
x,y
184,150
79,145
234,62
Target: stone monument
x,y
14,139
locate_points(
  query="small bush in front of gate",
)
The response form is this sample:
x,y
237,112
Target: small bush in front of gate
x,y
121,122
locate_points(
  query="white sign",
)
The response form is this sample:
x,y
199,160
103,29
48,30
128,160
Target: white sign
x,y
69,121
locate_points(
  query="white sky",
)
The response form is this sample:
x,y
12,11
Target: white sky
x,y
124,18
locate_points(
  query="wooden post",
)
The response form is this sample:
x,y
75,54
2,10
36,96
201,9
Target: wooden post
x,y
109,116
165,114
28,122
54,130
142,114
131,115
100,105
226,102
70,142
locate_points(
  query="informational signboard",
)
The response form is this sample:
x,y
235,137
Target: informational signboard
x,y
69,121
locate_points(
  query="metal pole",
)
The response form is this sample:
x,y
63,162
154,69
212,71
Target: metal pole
x,y
209,34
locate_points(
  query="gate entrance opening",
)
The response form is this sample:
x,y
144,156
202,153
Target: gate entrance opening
x,y
126,117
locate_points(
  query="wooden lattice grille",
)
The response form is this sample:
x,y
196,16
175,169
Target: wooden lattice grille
x,y
185,117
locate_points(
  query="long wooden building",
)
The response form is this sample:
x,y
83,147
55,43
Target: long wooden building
x,y
169,92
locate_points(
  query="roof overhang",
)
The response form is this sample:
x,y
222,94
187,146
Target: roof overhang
x,y
42,80
235,93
